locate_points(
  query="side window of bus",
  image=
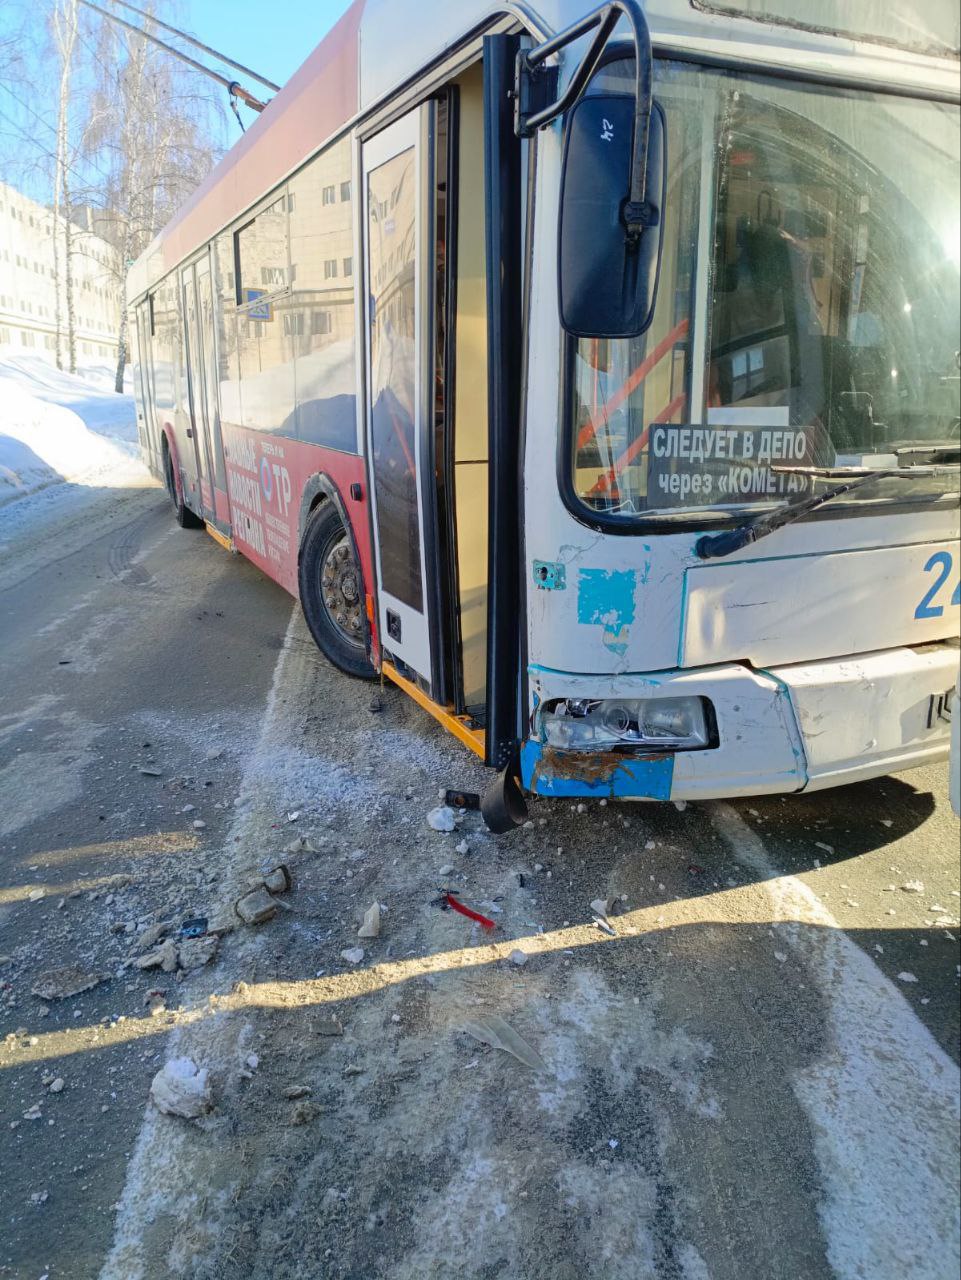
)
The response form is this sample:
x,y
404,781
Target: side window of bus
x,y
166,345
319,311
265,356
228,355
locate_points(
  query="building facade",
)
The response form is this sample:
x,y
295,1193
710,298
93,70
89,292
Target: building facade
x,y
29,302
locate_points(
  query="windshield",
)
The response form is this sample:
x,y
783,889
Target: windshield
x,y
930,28
821,328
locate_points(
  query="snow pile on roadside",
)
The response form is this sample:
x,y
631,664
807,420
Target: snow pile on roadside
x,y
57,427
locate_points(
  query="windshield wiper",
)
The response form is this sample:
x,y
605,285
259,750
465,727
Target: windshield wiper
x,y
713,546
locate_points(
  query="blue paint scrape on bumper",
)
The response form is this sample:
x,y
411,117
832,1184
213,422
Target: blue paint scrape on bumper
x,y
546,771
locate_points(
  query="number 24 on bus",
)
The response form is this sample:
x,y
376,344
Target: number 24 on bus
x,y
408,346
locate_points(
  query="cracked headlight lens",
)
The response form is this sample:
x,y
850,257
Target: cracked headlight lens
x,y
665,724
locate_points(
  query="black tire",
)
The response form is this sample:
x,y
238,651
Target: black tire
x,y
183,515
332,593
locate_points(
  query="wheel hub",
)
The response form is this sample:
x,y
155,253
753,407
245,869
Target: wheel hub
x,y
340,591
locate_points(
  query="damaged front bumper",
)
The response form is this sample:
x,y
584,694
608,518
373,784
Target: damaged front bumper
x,y
799,727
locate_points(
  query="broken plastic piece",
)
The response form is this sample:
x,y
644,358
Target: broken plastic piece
x,y
456,905
500,1035
195,927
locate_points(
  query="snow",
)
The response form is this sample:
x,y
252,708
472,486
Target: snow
x,y
58,427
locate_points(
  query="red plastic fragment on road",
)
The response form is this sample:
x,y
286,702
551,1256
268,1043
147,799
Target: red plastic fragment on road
x,y
471,915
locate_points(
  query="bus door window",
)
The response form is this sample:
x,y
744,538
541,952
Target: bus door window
x,y
620,387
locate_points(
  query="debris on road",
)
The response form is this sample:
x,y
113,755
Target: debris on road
x,y
61,984
462,799
442,818
913,886
501,1035
256,907
181,1088
195,927
278,880
601,910
518,957
456,905
295,1091
165,958
300,845
150,773
906,977
194,953
153,934
353,955
371,926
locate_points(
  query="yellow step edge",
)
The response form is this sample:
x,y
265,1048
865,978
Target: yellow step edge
x,y
225,542
457,725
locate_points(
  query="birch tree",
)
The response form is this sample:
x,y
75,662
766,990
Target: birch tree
x,y
156,137
65,21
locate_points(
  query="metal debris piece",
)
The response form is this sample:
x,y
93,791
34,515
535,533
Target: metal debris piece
x,y
462,799
61,984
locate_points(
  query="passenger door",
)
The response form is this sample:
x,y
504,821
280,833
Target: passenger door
x,y
201,464
400,386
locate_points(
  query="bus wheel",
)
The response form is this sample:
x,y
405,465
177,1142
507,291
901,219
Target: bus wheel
x,y
185,517
332,593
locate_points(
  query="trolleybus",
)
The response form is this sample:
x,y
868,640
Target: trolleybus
x,y
593,376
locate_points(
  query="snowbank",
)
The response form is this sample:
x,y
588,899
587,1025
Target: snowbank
x,y
57,427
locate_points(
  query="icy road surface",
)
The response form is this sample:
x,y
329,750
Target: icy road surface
x,y
755,1077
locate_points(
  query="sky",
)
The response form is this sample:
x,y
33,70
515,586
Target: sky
x,y
272,39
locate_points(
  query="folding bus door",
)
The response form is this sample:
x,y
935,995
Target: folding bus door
x,y
400,386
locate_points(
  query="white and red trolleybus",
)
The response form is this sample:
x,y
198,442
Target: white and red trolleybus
x,y
593,376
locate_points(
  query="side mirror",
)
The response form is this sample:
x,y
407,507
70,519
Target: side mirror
x,y
608,272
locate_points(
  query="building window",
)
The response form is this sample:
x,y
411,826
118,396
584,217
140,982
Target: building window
x,y
328,195
320,322
330,269
293,323
348,266
345,192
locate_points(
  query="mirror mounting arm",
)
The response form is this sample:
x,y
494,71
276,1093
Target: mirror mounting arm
x,y
638,214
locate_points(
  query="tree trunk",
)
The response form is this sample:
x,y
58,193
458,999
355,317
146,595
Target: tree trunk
x,y
65,19
121,351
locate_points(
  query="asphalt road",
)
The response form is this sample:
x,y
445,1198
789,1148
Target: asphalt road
x,y
117,630
756,1077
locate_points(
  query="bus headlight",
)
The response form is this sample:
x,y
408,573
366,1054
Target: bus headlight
x,y
665,724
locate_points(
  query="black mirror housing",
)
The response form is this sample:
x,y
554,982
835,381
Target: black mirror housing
x,y
607,275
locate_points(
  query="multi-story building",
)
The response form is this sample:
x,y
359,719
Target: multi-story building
x,y
29,302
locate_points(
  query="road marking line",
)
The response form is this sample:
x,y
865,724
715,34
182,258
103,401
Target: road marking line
x,y
882,1100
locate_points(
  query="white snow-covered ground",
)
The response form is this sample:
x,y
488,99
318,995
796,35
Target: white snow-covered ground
x,y
58,428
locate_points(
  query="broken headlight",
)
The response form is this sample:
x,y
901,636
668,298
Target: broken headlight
x,y
660,724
